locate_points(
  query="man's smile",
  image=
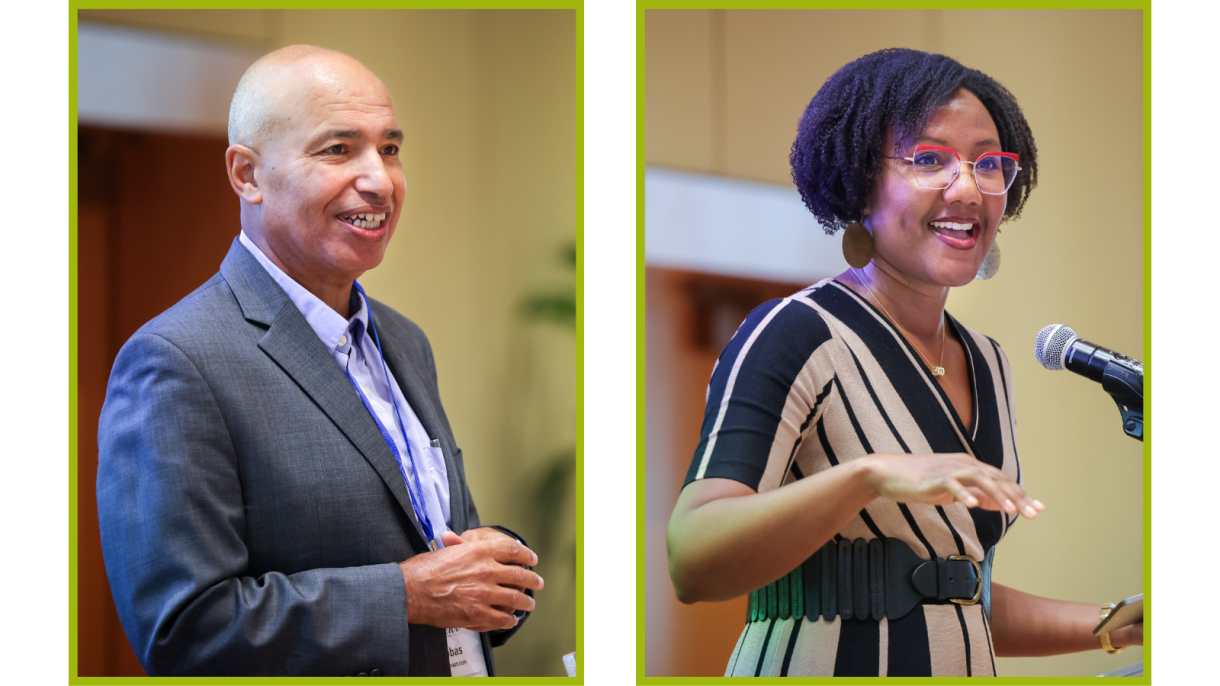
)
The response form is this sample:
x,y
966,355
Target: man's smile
x,y
365,221
365,225
370,220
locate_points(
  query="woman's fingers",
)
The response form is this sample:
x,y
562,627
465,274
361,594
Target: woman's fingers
x,y
1012,492
995,491
993,484
1008,494
963,495
950,477
1025,504
985,500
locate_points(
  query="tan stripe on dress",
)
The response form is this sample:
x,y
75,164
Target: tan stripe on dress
x,y
883,636
945,641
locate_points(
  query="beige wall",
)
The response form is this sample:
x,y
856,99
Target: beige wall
x,y
724,91
487,100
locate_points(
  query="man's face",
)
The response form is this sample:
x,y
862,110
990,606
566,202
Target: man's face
x,y
331,180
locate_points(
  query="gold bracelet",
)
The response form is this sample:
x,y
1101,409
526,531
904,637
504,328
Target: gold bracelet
x,y
1105,637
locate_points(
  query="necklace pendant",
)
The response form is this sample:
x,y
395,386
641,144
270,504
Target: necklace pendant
x,y
938,371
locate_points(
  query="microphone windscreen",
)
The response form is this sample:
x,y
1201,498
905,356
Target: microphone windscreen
x,y
1050,345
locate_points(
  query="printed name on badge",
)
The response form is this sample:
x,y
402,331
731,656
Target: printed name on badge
x,y
465,653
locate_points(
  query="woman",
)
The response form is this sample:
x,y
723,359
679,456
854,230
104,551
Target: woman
x,y
855,431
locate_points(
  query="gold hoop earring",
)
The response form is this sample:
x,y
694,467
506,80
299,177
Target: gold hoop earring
x,y
858,247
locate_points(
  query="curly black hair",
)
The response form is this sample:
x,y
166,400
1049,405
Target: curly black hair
x,y
838,149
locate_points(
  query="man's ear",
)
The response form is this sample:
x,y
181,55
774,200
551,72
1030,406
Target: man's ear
x,y
239,163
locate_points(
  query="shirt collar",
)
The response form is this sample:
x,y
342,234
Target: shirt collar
x,y
325,322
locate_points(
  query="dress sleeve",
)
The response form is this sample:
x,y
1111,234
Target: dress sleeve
x,y
765,384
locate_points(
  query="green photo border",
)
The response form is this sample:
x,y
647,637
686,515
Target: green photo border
x,y
73,395
641,6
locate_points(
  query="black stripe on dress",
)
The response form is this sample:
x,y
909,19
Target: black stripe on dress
x,y
961,547
762,654
1012,424
796,629
872,526
728,356
830,453
960,334
817,403
877,402
851,417
909,653
906,512
988,438
987,434
756,402
961,618
859,651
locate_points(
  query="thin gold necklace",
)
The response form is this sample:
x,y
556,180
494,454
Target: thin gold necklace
x,y
936,370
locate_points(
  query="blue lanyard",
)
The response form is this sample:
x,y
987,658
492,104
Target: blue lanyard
x,y
421,510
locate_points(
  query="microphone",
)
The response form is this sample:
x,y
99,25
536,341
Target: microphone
x,y
1058,347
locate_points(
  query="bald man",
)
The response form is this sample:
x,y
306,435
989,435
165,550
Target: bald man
x,y
278,488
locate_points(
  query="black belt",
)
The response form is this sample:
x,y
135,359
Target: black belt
x,y
871,578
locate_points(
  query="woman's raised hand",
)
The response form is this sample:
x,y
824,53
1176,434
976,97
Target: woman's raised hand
x,y
943,478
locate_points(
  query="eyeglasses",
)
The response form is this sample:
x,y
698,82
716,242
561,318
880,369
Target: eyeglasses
x,y
937,168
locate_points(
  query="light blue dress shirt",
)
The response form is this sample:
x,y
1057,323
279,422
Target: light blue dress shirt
x,y
356,352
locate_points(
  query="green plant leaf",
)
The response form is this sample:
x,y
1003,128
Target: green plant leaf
x,y
559,307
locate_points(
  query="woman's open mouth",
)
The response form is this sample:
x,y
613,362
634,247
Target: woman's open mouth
x,y
955,234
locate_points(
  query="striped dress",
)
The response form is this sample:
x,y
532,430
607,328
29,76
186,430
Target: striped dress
x,y
820,378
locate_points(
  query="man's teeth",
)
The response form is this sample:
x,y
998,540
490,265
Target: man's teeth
x,y
953,226
364,221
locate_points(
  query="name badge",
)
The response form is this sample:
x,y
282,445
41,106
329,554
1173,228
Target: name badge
x,y
465,653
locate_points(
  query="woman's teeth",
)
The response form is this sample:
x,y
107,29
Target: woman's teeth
x,y
953,226
364,221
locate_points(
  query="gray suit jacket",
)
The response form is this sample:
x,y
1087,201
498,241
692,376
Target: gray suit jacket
x,y
251,514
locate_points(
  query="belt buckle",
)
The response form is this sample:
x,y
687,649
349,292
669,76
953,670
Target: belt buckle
x,y
978,571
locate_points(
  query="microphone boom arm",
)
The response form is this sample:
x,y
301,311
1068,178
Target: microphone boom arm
x,y
1127,389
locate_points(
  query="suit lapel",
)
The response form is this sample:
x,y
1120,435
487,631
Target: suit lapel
x,y
295,347
409,375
